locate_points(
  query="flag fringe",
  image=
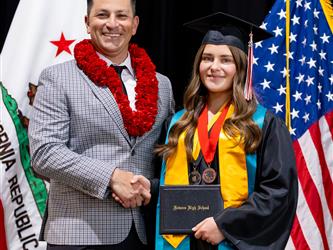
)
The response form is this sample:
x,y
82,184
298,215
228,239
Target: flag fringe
x,y
327,6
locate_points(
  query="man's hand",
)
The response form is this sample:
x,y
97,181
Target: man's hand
x,y
208,230
123,190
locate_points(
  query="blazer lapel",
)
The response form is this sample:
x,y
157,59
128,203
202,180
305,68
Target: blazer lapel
x,y
105,96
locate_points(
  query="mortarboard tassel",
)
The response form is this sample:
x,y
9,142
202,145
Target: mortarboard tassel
x,y
248,83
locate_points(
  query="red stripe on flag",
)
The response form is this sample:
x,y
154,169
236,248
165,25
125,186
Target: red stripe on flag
x,y
327,182
298,236
310,192
3,243
329,120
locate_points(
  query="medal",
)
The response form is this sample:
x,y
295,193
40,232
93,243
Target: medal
x,y
209,141
195,177
209,175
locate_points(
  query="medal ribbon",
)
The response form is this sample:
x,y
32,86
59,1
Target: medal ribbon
x,y
208,142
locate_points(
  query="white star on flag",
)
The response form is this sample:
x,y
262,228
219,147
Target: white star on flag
x,y
313,46
307,99
312,63
331,79
278,31
281,14
316,13
292,37
269,66
302,60
294,114
307,6
320,87
282,90
273,49
329,96
315,30
278,107
295,20
309,81
300,78
297,96
325,38
265,84
299,3
322,55
306,117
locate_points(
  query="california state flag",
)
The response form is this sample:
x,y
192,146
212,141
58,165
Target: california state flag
x,y
42,33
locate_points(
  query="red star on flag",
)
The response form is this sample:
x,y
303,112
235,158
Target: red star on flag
x,y
63,44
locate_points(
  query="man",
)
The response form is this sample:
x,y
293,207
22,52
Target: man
x,y
93,129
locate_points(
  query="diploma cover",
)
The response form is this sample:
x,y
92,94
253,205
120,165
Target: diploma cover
x,y
182,207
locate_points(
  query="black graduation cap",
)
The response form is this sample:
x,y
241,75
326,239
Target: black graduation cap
x,y
225,29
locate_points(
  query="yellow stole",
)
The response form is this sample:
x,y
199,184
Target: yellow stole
x,y
232,169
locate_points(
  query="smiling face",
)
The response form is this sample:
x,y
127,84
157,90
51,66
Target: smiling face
x,y
217,69
111,24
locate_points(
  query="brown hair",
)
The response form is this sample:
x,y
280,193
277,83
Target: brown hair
x,y
90,3
240,123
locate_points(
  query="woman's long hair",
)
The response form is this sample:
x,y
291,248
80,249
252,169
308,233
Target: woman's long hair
x,y
239,124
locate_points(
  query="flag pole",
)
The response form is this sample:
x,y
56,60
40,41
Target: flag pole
x,y
287,118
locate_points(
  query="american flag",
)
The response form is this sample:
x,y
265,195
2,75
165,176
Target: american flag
x,y
311,107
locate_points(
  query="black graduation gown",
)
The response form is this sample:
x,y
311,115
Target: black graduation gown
x,y
265,219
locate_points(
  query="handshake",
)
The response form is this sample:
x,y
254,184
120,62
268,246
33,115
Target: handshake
x,y
130,190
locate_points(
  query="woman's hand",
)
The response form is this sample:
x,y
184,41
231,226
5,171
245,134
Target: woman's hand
x,y
141,187
208,230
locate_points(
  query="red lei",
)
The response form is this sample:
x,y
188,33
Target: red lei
x,y
136,122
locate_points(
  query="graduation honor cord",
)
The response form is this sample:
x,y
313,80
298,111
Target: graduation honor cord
x,y
208,142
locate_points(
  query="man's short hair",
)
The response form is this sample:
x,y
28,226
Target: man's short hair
x,y
90,3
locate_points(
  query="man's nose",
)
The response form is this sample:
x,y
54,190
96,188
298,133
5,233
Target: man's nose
x,y
112,21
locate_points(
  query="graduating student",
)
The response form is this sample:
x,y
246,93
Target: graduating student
x,y
223,136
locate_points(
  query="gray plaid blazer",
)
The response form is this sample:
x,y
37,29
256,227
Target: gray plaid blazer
x,y
77,138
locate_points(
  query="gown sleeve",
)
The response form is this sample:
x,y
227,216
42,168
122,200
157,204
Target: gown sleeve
x,y
265,219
